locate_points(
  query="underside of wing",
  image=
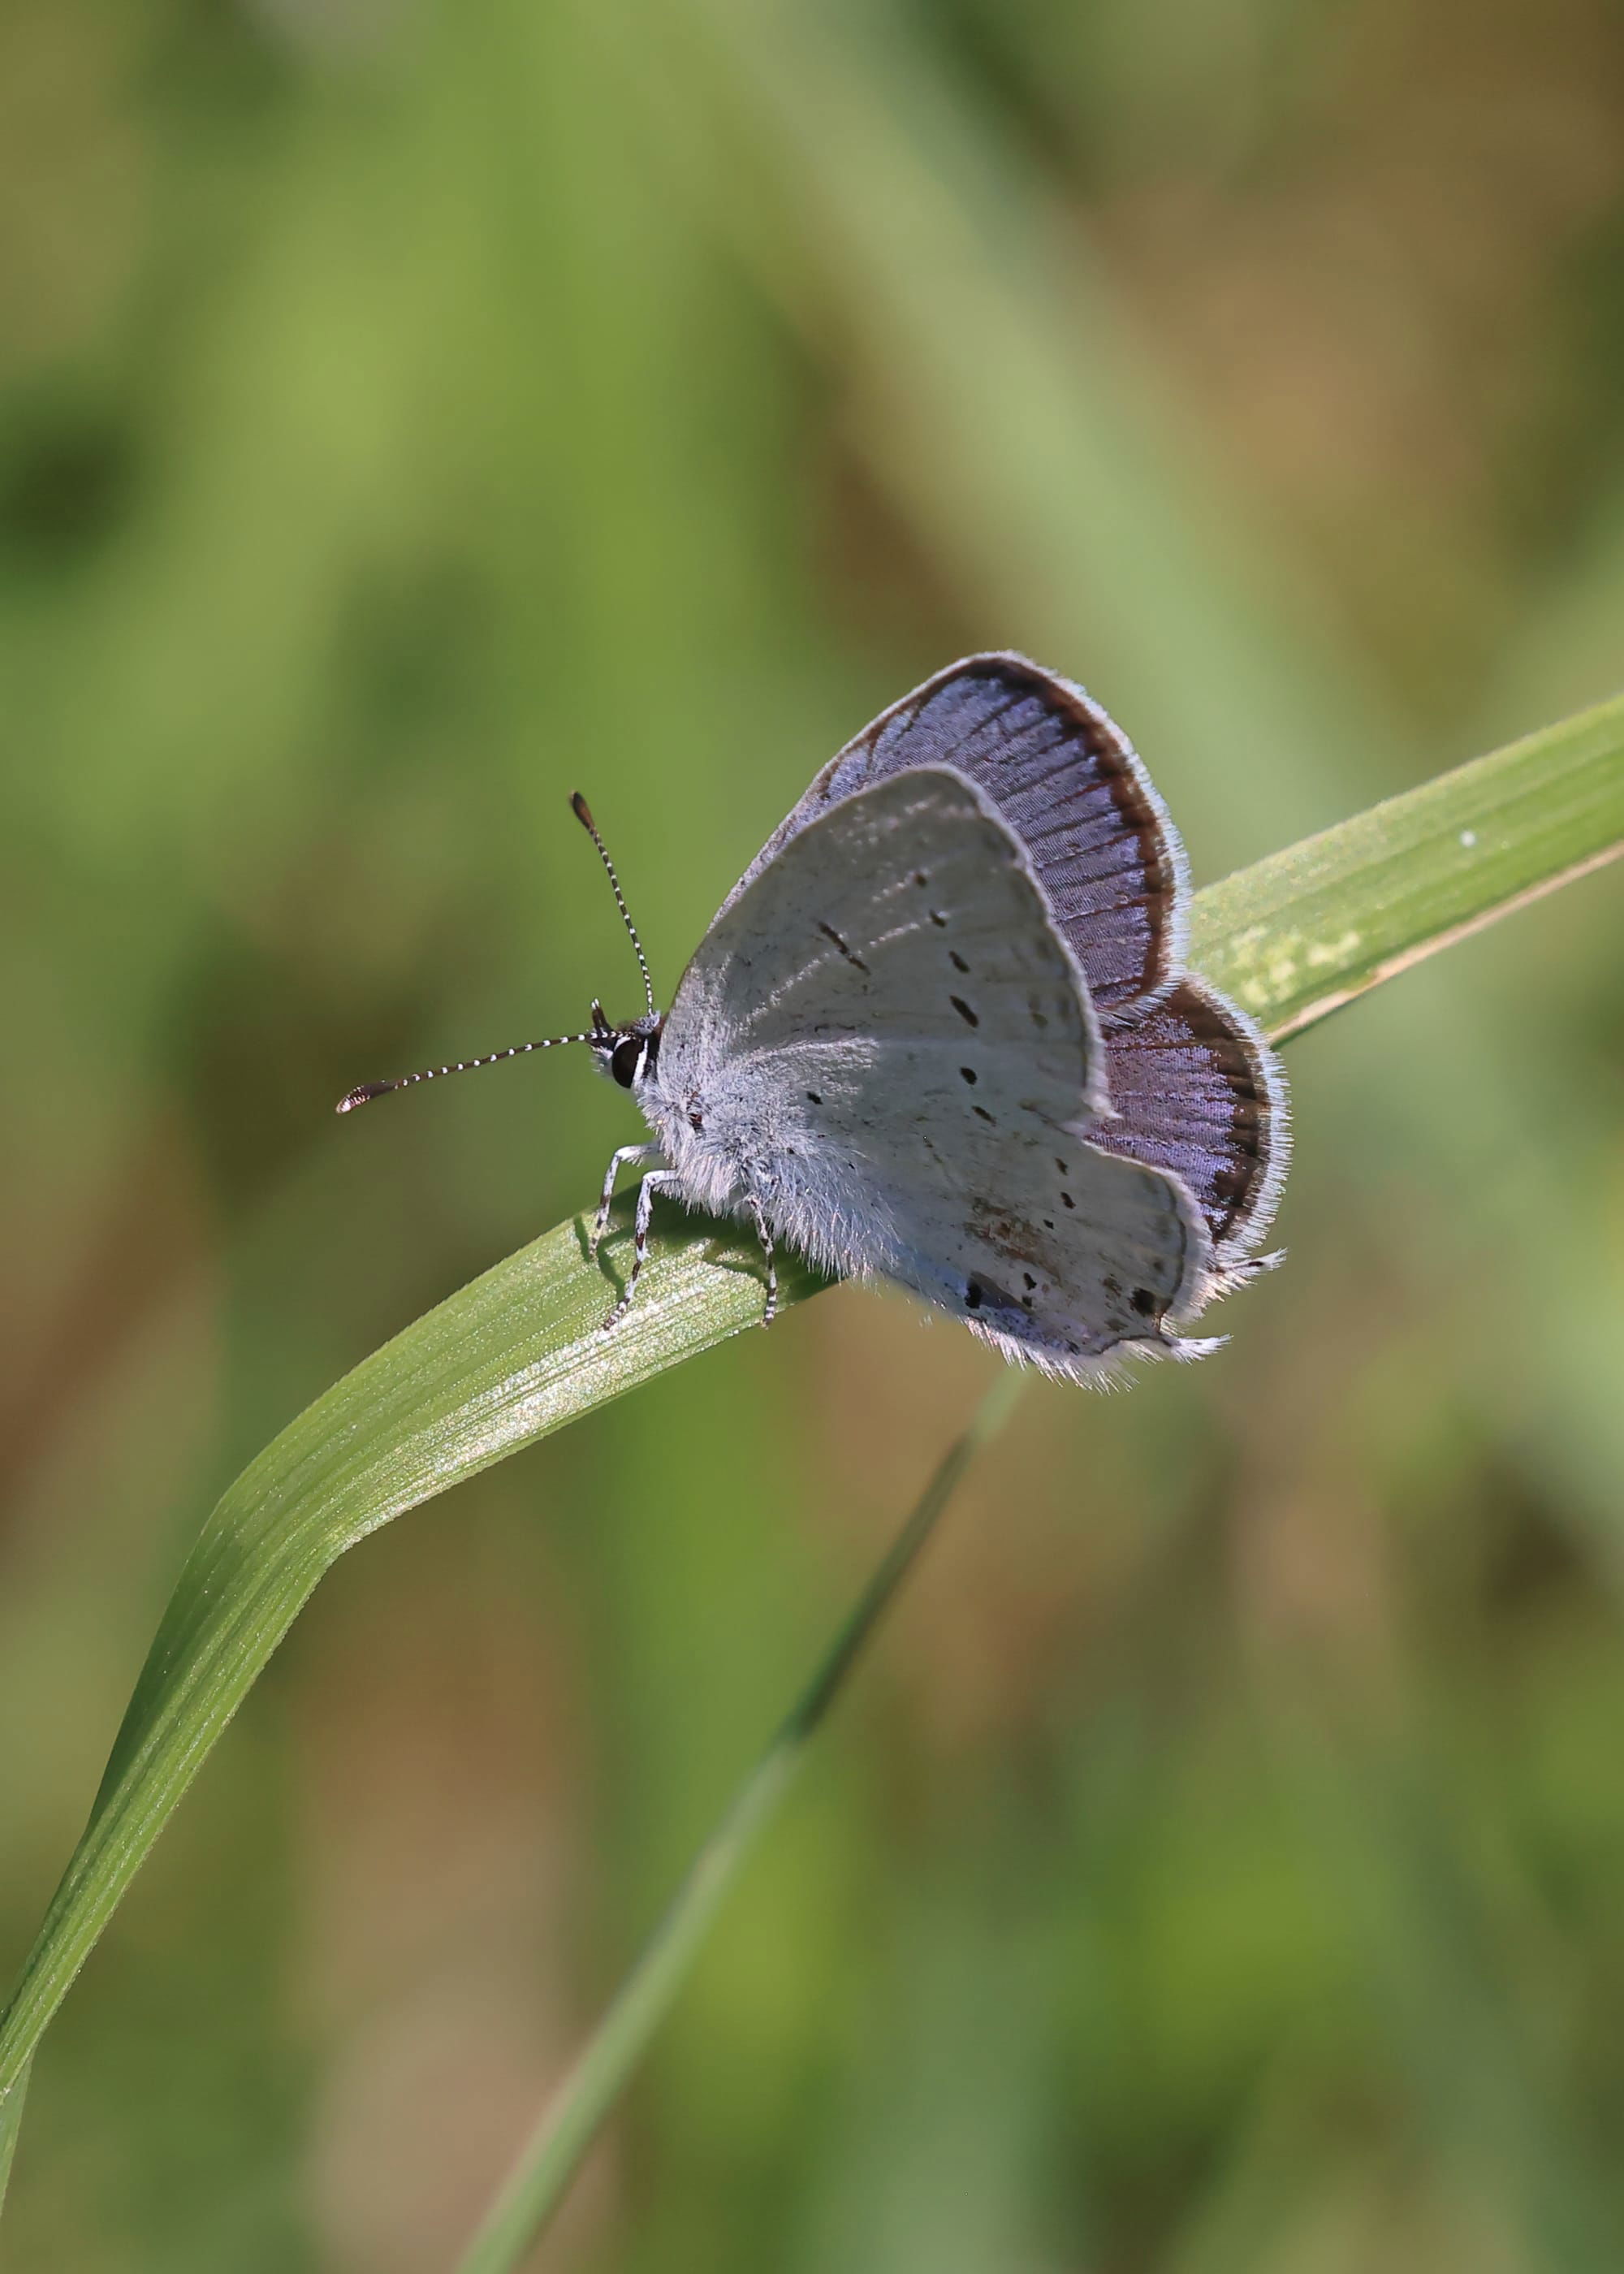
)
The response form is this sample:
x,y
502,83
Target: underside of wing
x,y
1197,1091
886,1041
1066,780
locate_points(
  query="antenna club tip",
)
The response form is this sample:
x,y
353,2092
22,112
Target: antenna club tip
x,y
582,811
362,1095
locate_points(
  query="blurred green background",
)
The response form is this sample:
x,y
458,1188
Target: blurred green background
x,y
408,413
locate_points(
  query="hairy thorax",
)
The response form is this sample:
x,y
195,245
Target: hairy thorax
x,y
740,1147
717,1154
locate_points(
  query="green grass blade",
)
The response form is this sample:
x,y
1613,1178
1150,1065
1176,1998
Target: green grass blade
x,y
10,2122
569,2127
1296,936
506,1361
518,1353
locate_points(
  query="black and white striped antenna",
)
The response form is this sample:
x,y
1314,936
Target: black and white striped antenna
x,y
365,1092
584,815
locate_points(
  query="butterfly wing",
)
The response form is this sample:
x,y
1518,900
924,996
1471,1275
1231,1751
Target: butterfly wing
x,y
1197,1091
885,1043
1066,780
1195,1088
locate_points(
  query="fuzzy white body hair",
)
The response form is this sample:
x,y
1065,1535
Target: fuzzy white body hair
x,y
754,1150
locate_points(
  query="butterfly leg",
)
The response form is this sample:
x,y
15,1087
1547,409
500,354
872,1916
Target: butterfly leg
x,y
647,1153
646,1191
765,1238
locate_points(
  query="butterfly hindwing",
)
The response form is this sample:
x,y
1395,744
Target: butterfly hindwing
x,y
1197,1091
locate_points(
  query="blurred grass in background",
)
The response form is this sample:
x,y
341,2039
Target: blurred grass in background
x,y
406,415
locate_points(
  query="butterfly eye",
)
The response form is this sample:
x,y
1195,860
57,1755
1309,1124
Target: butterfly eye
x,y
625,1059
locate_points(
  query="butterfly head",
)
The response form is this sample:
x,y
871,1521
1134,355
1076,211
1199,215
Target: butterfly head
x,y
628,1054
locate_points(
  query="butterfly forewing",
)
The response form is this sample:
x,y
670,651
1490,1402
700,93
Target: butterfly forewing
x,y
888,1038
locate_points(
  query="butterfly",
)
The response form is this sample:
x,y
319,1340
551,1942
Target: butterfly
x,y
941,1033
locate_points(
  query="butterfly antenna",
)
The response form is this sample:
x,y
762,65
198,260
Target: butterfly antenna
x,y
584,815
365,1092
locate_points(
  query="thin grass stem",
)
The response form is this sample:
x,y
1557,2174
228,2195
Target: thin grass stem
x,y
540,2178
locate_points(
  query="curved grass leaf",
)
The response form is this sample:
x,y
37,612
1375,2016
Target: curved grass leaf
x,y
519,1353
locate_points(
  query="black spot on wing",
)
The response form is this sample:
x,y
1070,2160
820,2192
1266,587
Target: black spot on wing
x,y
830,933
984,1294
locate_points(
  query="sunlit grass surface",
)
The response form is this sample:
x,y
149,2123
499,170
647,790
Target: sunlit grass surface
x,y
409,417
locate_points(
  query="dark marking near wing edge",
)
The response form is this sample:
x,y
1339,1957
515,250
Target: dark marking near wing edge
x,y
1066,1200
1061,1165
984,1114
968,1074
936,917
1030,1281
920,877
1143,1301
964,1010
830,933
983,1293
814,1098
956,961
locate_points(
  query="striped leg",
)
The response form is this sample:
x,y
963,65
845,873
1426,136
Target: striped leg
x,y
646,1191
647,1153
765,1237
